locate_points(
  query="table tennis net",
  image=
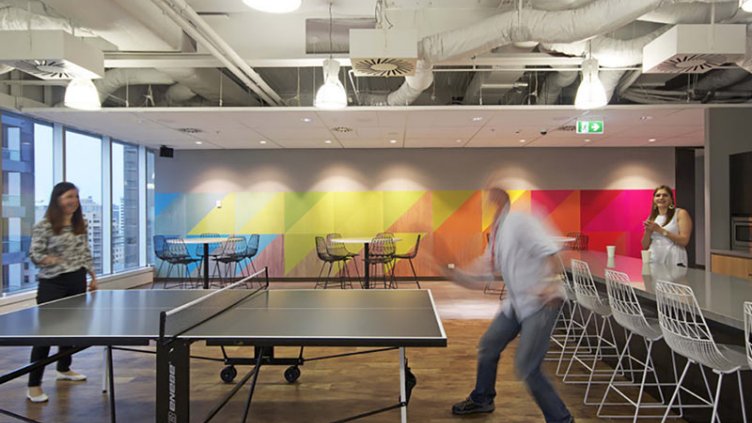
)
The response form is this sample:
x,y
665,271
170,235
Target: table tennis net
x,y
173,323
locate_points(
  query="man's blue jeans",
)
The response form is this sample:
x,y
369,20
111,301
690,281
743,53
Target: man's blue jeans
x,y
535,332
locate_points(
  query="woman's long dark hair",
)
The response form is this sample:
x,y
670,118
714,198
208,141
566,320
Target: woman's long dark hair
x,y
671,208
54,213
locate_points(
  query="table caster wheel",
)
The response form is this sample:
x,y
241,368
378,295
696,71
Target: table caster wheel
x,y
292,374
228,374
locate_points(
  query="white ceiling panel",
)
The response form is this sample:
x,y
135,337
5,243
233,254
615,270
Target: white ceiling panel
x,y
447,118
373,127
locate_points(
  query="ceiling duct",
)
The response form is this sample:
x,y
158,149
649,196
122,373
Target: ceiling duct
x,y
378,52
694,48
50,54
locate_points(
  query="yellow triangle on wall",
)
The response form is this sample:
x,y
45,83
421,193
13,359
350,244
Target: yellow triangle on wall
x,y
263,213
220,220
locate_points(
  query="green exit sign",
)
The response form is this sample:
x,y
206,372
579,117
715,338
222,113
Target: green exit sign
x,y
589,126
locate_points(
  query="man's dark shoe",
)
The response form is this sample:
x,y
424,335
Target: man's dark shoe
x,y
469,407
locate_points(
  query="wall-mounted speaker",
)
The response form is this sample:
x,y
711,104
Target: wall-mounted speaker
x,y
165,151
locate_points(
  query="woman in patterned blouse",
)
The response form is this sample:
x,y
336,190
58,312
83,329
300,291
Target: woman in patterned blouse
x,y
60,249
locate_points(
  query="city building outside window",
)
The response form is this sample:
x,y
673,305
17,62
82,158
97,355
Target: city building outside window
x,y
125,207
83,167
27,184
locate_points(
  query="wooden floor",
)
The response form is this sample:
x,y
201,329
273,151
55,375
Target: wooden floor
x,y
326,391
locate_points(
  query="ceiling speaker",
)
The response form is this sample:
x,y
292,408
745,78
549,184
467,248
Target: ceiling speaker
x,y
165,151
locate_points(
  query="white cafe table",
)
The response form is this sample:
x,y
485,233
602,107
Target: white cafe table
x,y
366,242
205,241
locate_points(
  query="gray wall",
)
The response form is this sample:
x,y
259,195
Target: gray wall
x,y
414,169
699,218
728,131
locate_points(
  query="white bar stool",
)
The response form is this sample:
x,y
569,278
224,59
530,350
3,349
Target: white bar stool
x,y
628,313
596,307
687,334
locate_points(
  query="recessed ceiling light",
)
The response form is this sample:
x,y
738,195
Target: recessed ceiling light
x,y
458,141
477,119
587,139
262,142
522,141
645,117
651,140
393,141
306,120
199,142
327,141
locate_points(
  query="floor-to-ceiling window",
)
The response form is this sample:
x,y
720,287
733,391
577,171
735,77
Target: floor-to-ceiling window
x,y
110,176
150,207
27,183
83,167
125,206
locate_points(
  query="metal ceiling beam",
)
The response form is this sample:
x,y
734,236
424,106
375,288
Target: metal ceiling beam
x,y
194,26
197,60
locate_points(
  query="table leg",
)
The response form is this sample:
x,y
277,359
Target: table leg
x,y
403,387
206,266
367,270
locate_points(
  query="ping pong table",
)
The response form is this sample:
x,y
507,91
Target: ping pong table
x,y
262,318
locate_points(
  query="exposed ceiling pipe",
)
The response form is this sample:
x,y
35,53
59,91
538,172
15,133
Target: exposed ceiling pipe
x,y
552,86
595,18
406,94
610,52
127,25
206,82
558,4
193,25
745,85
16,19
610,80
177,94
121,77
720,78
692,13
746,62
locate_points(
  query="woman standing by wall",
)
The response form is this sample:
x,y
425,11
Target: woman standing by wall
x,y
60,249
667,230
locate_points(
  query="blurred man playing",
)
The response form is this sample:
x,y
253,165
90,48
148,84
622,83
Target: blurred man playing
x,y
522,250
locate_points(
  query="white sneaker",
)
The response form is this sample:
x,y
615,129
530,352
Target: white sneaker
x,y
70,375
35,394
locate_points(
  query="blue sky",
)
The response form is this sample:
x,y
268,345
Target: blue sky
x,y
83,165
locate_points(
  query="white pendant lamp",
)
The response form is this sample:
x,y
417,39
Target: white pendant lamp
x,y
746,5
332,94
82,94
590,94
274,6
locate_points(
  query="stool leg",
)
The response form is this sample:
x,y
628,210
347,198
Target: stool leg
x,y
414,273
676,391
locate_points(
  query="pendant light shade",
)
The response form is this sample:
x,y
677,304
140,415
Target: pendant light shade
x,y
332,94
82,94
274,6
590,94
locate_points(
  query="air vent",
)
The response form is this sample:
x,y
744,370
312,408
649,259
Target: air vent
x,y
383,67
342,129
694,48
50,55
691,63
378,52
190,130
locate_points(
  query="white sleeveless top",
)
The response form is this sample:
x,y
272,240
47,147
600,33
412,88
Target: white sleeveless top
x,y
662,249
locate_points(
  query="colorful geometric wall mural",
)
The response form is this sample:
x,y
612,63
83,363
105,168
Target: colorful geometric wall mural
x,y
451,223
